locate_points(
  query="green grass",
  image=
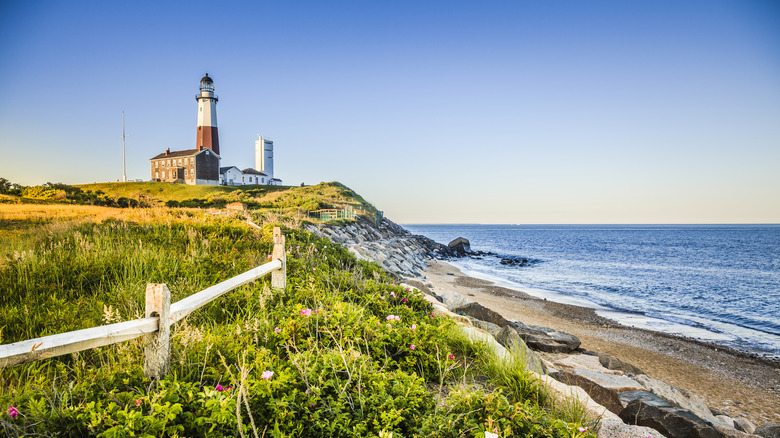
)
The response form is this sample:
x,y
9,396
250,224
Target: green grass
x,y
343,370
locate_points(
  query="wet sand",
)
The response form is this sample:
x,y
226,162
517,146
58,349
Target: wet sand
x,y
735,383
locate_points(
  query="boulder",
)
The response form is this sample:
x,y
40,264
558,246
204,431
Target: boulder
x,y
672,421
583,362
744,425
476,310
509,338
566,395
601,395
486,326
726,419
681,398
613,363
618,429
546,339
460,246
453,300
769,430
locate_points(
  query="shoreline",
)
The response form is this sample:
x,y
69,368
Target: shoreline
x,y
737,383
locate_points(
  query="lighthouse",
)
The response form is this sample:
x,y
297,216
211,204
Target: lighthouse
x,y
207,116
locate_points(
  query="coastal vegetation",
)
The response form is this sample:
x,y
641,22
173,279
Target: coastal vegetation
x,y
343,350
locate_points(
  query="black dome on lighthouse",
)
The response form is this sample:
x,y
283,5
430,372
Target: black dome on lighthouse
x,y
206,79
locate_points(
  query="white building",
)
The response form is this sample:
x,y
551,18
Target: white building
x,y
253,177
231,176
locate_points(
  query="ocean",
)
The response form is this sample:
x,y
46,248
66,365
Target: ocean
x,y
717,283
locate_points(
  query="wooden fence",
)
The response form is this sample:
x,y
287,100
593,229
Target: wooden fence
x,y
156,325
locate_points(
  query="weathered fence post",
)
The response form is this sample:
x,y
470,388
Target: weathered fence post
x,y
157,350
279,277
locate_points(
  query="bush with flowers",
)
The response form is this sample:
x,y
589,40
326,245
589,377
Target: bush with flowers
x,y
342,351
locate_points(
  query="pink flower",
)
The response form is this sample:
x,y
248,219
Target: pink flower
x,y
392,294
219,388
306,312
277,330
414,327
138,402
431,315
315,249
313,269
315,311
269,256
404,300
451,357
297,246
582,429
228,388
267,375
12,411
406,289
381,297
411,347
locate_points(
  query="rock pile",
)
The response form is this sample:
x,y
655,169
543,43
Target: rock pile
x,y
630,403
394,248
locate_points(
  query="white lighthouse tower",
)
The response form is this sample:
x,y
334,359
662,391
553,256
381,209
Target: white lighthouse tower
x,y
207,116
264,156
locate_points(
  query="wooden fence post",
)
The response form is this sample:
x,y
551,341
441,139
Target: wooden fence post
x,y
279,277
157,350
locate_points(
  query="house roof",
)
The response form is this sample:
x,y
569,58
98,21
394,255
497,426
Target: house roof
x,y
184,153
250,171
225,169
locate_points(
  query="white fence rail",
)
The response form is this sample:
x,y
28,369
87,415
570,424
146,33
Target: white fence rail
x,y
160,314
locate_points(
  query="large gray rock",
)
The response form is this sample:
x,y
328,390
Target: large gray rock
x,y
617,429
546,339
744,425
453,300
509,338
460,246
613,363
601,395
476,310
769,430
486,326
681,398
672,421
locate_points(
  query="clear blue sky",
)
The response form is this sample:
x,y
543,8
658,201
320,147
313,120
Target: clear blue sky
x,y
490,112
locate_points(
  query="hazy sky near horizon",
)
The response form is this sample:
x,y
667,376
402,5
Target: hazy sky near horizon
x,y
436,112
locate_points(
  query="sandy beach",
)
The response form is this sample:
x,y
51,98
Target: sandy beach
x,y
737,384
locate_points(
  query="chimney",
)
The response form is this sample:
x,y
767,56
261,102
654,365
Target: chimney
x,y
168,151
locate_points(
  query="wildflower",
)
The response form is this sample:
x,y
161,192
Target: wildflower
x,y
269,256
390,317
297,246
315,311
277,330
306,312
315,249
381,297
392,294
228,388
313,269
404,300
12,411
267,375
138,402
219,388
582,429
406,289
414,327
411,347
432,315
451,357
